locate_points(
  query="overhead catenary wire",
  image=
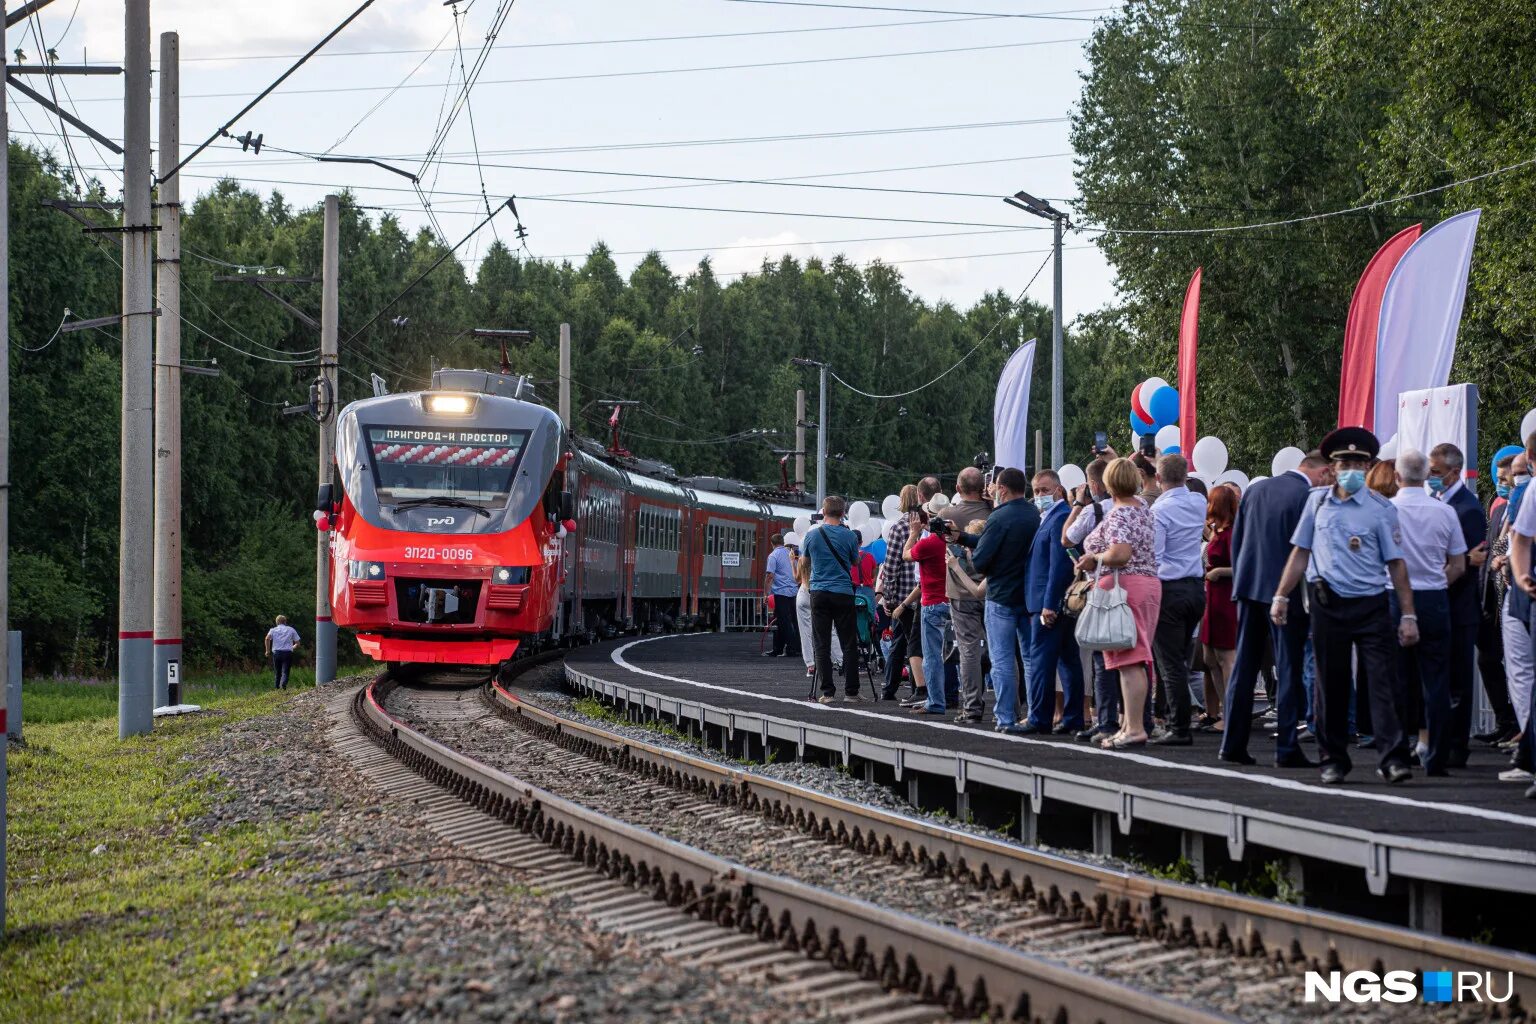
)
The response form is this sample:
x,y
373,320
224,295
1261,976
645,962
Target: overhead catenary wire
x,y
974,349
332,34
1042,16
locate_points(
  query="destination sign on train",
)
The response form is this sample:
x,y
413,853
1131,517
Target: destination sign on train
x,y
418,435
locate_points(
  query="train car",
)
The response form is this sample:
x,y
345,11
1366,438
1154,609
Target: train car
x,y
467,527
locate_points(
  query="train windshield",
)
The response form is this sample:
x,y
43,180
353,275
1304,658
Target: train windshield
x,y
474,466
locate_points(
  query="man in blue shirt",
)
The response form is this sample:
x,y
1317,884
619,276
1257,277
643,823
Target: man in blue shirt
x,y
1346,536
781,588
1002,555
832,548
1180,517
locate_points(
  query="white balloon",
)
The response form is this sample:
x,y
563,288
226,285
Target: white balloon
x,y
792,539
1234,476
1389,450
890,508
858,514
1167,436
1210,456
1285,460
878,525
1148,389
802,523
1527,426
868,534
1072,476
890,524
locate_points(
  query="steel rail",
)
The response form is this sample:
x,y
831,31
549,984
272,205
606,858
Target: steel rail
x,y
1118,901
968,976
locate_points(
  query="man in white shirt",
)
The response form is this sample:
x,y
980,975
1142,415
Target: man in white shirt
x,y
1180,517
282,641
1435,555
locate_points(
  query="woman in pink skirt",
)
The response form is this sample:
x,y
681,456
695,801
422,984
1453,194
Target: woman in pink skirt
x,y
1125,541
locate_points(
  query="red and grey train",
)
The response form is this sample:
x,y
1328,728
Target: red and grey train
x,y
468,526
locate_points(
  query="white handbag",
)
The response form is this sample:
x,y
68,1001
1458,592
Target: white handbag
x,y
1106,623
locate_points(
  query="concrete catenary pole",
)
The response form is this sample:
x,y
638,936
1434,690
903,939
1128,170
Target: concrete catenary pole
x,y
1058,373
5,459
565,375
325,627
168,378
821,440
136,545
800,439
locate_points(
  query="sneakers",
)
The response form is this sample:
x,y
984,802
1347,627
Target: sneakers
x,y
825,699
1395,772
1333,775
966,718
1516,775
852,698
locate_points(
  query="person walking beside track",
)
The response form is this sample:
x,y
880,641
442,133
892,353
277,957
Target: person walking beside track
x,y
779,594
832,547
282,641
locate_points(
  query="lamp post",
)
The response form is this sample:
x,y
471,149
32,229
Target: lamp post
x,y
1040,208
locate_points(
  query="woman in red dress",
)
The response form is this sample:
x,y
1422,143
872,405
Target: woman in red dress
x,y
1218,630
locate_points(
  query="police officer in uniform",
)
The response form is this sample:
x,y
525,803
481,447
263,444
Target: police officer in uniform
x,y
1345,536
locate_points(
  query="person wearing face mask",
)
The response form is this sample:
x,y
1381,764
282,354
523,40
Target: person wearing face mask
x,y
1053,647
1490,591
1445,482
1345,536
1261,543
1518,639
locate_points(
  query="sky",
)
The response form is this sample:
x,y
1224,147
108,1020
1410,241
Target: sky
x,y
629,88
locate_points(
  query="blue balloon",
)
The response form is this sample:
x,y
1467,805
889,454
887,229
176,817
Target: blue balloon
x,y
1173,449
1164,407
1493,464
1141,426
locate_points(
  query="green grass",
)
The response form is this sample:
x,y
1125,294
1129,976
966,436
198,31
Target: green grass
x,y
164,919
52,701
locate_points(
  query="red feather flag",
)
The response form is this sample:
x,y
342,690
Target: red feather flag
x,y
1357,375
1189,340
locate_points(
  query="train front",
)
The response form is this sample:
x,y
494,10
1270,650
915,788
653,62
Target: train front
x,y
445,546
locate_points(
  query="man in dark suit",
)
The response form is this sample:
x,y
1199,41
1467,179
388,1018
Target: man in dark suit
x,y
1052,639
1445,481
1261,543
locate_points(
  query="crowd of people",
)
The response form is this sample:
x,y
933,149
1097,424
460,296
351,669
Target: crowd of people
x,y
1355,593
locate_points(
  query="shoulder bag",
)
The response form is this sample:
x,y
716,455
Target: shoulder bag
x,y
1106,622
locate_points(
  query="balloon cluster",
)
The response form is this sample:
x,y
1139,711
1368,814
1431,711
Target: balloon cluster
x,y
1155,407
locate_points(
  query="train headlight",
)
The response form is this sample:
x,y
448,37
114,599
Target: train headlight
x,y
358,569
509,575
450,405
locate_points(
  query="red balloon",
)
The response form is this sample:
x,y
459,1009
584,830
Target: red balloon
x,y
1136,406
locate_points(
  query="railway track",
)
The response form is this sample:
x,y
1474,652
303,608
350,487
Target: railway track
x,y
856,960
1241,953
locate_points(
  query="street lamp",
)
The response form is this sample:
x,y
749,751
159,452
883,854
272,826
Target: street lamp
x,y
1040,208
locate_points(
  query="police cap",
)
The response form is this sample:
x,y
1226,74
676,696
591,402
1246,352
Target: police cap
x,y
1348,442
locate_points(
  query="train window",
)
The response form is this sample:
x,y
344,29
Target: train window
x,y
432,462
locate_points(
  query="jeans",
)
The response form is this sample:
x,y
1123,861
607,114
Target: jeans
x,y
282,661
1178,617
969,619
1053,651
1425,668
785,635
935,618
829,609
1007,635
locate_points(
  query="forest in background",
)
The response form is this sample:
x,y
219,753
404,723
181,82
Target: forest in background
x,y
1193,115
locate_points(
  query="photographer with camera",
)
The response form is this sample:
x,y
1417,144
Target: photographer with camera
x,y
966,611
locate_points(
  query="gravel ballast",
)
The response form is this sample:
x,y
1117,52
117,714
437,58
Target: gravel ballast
x,y
436,937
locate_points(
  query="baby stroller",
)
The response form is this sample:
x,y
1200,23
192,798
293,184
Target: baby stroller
x,y
867,618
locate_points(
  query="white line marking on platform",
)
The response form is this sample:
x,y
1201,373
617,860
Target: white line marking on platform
x,y
1199,769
